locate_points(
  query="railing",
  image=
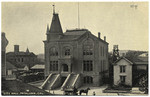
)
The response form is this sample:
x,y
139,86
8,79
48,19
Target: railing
x,y
65,81
46,80
54,81
75,80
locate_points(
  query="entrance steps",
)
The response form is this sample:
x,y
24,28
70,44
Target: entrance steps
x,y
51,82
71,81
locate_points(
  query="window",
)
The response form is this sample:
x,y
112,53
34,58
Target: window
x,y
122,69
88,47
87,65
21,59
122,79
53,52
67,52
53,65
88,80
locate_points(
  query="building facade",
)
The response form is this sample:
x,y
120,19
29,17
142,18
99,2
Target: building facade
x,y
74,53
130,72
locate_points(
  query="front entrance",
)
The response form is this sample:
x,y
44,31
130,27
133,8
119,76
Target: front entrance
x,y
65,68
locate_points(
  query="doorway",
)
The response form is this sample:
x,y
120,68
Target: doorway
x,y
65,68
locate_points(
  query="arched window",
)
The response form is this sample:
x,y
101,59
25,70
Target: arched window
x,y
53,52
67,51
88,47
88,80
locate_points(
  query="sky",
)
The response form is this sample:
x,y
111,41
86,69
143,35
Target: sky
x,y
25,23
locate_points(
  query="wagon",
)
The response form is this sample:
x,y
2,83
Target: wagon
x,y
70,92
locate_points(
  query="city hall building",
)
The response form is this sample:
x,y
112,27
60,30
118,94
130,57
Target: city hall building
x,y
74,58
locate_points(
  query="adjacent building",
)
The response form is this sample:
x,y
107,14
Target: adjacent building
x,y
4,42
123,72
74,58
21,58
130,72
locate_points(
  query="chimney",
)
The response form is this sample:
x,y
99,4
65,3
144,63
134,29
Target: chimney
x,y
16,48
104,38
99,35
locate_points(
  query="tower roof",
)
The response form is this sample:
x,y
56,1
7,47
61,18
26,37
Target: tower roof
x,y
27,50
55,25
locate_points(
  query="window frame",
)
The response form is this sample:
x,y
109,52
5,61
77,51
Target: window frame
x,y
87,65
53,66
53,51
122,69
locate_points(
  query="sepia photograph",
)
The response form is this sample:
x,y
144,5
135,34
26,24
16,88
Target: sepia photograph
x,y
74,48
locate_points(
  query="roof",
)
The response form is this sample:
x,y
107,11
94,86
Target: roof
x,y
38,66
20,53
55,25
76,32
141,63
143,55
124,59
21,66
135,61
20,88
73,34
10,66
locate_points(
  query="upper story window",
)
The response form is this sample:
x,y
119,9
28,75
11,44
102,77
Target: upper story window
x,y
122,69
67,51
88,47
53,52
87,65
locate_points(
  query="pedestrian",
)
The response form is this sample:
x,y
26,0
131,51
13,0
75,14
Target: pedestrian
x,y
94,93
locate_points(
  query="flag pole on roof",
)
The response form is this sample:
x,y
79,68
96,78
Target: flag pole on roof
x,y
53,8
78,17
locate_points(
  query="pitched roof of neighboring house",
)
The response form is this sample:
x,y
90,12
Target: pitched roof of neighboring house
x,y
143,55
10,66
124,59
141,63
135,61
38,66
21,66
20,53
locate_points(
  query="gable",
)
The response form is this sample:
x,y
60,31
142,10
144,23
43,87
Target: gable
x,y
123,61
92,37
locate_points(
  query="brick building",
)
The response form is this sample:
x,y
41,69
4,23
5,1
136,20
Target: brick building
x,y
74,58
21,58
